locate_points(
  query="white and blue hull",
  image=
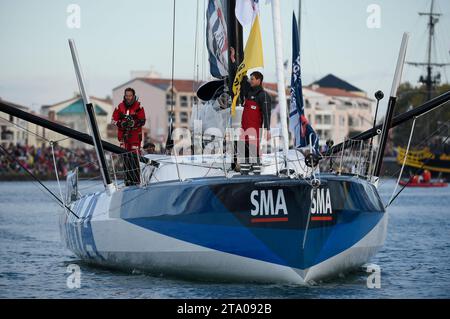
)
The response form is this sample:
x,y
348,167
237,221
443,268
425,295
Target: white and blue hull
x,y
194,232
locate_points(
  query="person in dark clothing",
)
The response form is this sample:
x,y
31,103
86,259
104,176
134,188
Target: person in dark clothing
x,y
255,120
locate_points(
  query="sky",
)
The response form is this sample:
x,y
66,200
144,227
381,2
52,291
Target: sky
x,y
116,37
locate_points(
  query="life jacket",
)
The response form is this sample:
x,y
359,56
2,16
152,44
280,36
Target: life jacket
x,y
131,135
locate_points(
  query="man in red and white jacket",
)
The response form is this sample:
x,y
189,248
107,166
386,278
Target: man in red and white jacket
x,y
129,117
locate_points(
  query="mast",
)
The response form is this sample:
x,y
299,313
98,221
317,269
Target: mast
x,y
430,80
431,22
391,104
276,18
235,40
91,118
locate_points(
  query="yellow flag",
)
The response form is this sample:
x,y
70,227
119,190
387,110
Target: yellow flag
x,y
253,58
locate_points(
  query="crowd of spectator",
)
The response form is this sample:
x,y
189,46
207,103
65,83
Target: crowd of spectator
x,y
39,160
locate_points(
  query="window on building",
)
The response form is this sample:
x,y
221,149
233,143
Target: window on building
x,y
184,101
307,104
184,117
353,121
318,119
169,101
348,103
194,100
6,134
331,102
327,119
363,104
341,120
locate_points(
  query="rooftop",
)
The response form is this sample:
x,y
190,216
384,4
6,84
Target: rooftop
x,y
77,107
180,85
77,98
333,92
332,81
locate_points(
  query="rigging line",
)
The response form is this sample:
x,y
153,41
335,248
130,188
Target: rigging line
x,y
40,189
404,158
172,89
57,175
439,47
37,179
49,141
173,70
35,134
410,178
195,48
62,139
438,130
204,49
25,129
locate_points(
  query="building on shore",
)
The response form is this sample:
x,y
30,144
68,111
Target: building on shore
x,y
20,132
72,113
335,108
13,129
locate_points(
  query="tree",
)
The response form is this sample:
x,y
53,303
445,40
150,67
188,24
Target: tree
x,y
427,126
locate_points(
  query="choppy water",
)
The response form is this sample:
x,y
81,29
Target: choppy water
x,y
415,261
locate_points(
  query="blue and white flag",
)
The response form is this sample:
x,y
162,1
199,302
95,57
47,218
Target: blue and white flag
x,y
298,124
217,39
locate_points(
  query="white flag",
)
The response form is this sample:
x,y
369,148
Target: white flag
x,y
246,11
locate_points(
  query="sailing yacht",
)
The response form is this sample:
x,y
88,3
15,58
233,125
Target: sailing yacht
x,y
198,218
302,219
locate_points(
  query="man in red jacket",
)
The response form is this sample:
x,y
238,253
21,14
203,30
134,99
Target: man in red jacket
x,y
129,116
